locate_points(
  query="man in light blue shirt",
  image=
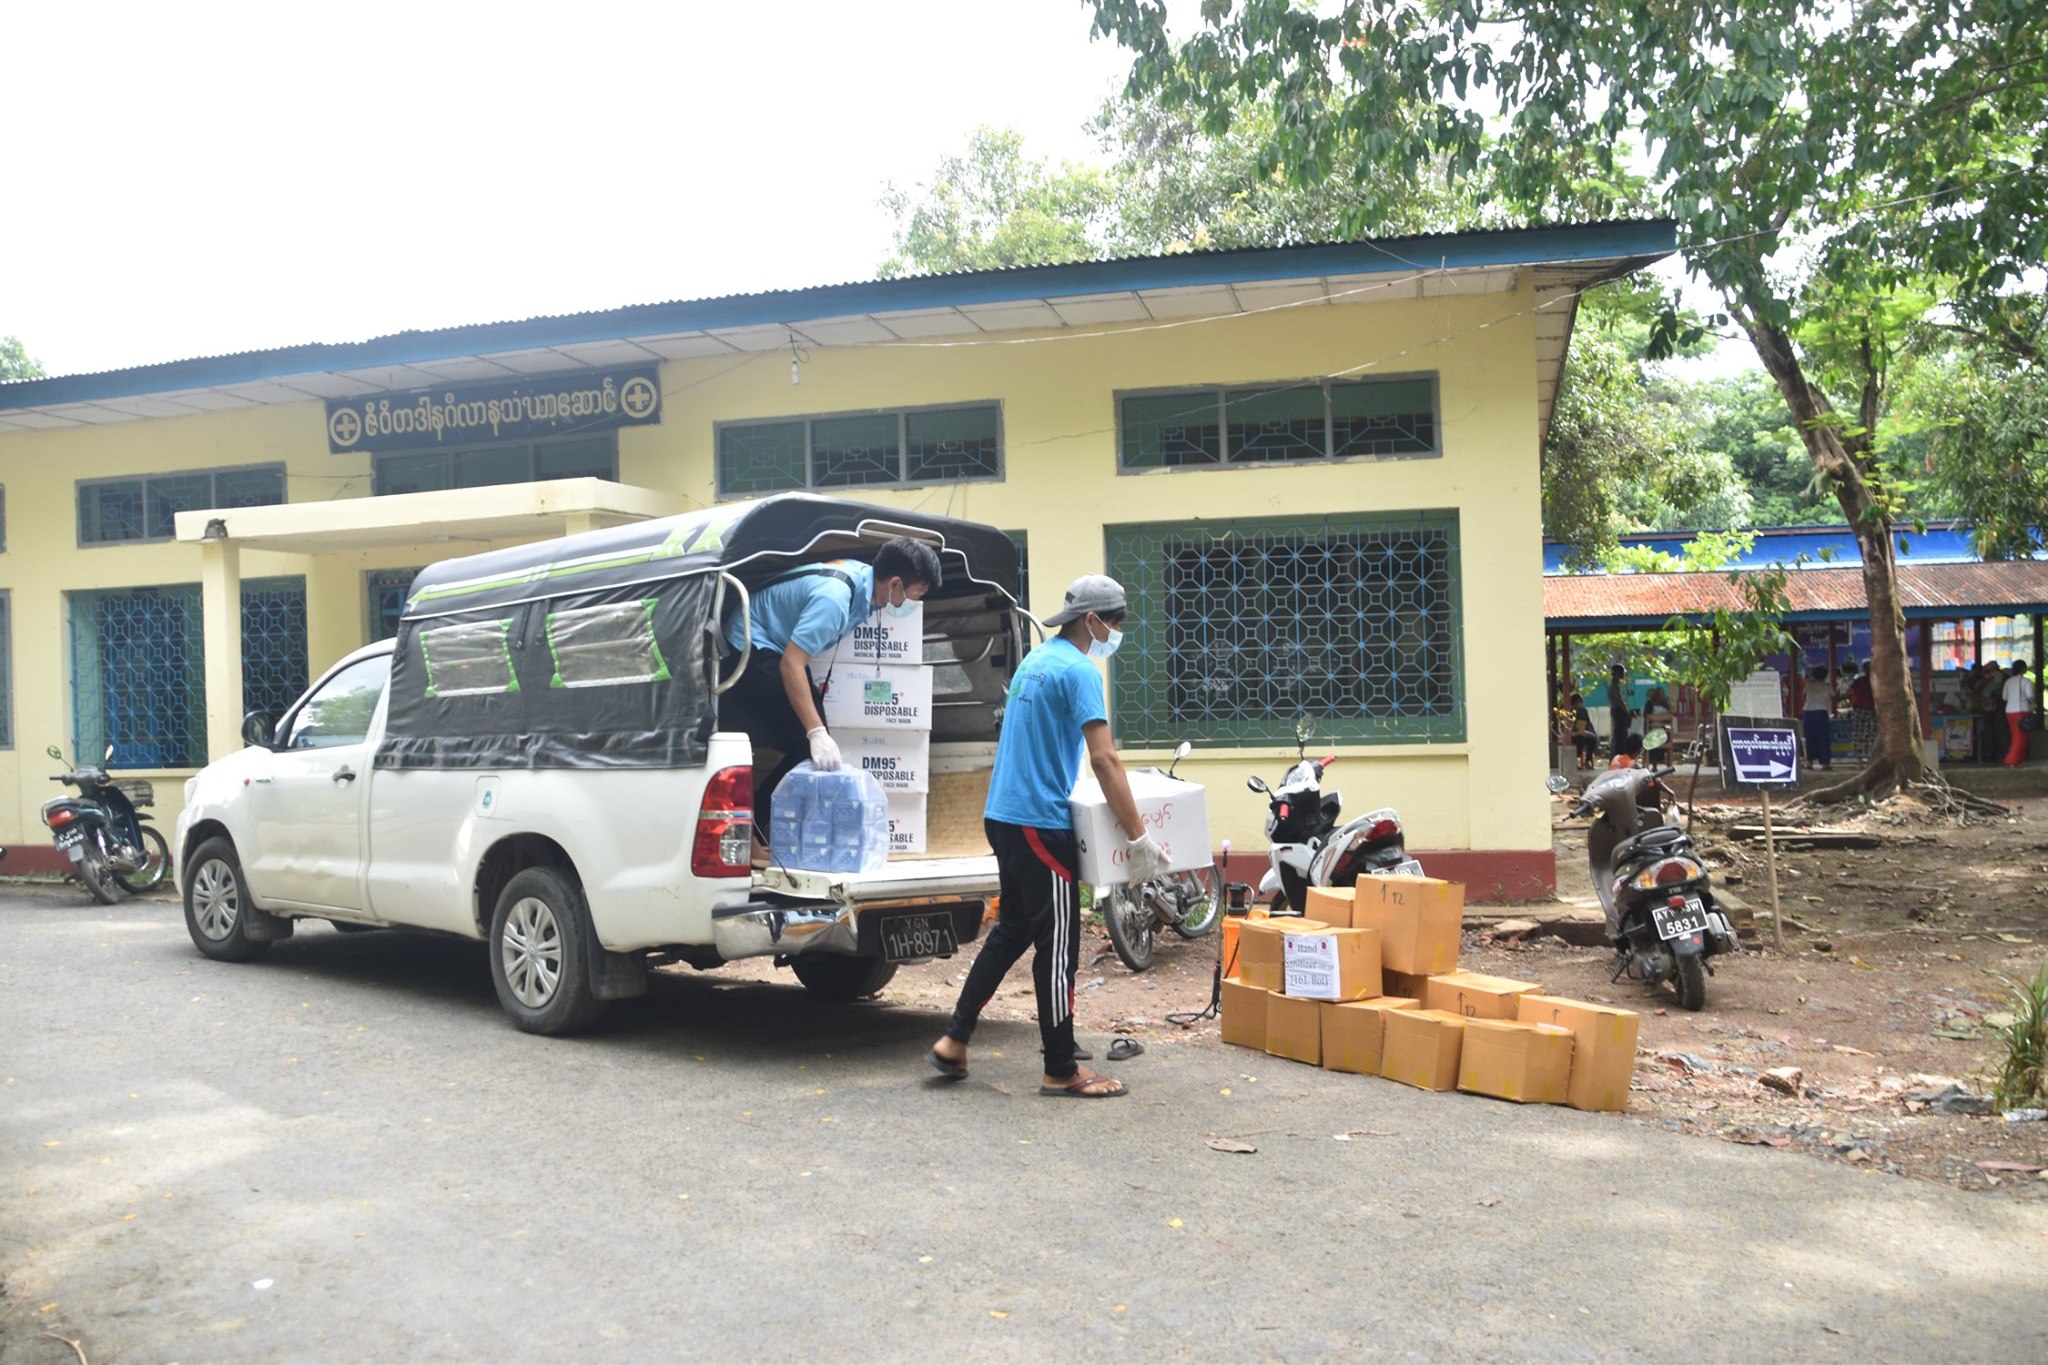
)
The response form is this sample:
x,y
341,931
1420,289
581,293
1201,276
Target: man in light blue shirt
x,y
795,616
1053,713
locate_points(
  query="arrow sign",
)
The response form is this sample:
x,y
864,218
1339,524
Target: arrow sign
x,y
1764,757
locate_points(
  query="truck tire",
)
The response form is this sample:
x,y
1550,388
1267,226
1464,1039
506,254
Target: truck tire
x,y
839,979
217,907
540,953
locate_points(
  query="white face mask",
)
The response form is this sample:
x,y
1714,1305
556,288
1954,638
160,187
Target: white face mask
x,y
1102,649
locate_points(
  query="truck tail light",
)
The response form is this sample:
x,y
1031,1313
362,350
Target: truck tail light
x,y
725,826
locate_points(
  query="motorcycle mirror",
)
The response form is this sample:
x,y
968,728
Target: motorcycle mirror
x,y
256,729
108,756
1255,784
1559,782
54,752
1182,750
1657,738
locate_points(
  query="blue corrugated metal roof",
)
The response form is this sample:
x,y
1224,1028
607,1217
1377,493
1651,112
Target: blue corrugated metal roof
x,y
1636,241
1945,542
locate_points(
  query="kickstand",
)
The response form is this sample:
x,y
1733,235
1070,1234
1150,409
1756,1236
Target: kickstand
x,y
1620,966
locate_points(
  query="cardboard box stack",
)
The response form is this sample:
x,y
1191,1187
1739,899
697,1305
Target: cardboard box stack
x,y
1370,984
878,706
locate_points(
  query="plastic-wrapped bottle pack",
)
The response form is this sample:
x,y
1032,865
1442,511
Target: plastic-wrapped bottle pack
x,y
829,822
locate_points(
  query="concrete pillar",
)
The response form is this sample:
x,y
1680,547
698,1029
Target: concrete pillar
x,y
220,596
575,523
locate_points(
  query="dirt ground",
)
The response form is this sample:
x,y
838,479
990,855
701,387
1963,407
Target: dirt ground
x,y
1895,959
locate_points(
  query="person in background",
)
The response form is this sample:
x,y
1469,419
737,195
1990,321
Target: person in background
x,y
2019,704
1657,714
1619,712
1815,713
1585,739
793,618
1053,714
1628,751
1863,709
1989,704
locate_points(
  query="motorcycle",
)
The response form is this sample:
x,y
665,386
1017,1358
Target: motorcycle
x,y
1189,903
101,830
1307,847
1652,885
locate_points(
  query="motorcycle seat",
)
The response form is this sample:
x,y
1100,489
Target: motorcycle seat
x,y
1656,840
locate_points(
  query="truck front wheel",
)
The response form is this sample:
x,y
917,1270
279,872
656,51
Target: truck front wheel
x,y
540,953
841,980
217,909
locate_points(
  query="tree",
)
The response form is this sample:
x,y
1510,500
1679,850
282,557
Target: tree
x,y
16,362
1811,154
994,206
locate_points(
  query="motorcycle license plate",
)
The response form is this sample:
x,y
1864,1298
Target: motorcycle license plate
x,y
72,841
1676,922
1407,867
910,938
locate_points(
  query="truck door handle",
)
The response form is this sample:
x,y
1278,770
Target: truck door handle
x,y
344,775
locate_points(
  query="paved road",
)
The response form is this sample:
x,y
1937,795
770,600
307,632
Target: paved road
x,y
344,1152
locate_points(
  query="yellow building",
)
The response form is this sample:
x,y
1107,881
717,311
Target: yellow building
x,y
1314,468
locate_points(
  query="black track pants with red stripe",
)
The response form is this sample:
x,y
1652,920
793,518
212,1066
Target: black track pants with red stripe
x,y
1038,870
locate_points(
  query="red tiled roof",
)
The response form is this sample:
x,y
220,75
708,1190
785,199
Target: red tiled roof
x,y
1591,601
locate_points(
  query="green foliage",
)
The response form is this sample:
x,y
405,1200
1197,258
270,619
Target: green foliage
x,y
994,206
16,362
1733,643
2022,1078
1743,417
1704,553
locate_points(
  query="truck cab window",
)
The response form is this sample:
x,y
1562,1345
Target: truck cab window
x,y
339,711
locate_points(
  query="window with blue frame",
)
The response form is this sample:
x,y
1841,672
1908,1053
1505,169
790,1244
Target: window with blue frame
x,y
1240,629
124,511
426,471
861,450
138,667
1279,423
386,589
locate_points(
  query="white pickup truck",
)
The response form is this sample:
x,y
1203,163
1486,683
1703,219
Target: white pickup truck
x,y
535,762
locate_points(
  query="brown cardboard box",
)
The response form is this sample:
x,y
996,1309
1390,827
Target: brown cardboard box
x,y
1401,983
1603,1048
1421,1048
1244,1015
1336,964
1528,1063
1258,944
1477,996
1331,905
1294,1028
1353,1031
1419,919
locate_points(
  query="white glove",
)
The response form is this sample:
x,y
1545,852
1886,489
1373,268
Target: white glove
x,y
824,751
1144,858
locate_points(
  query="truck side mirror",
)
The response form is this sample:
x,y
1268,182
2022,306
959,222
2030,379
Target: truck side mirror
x,y
256,729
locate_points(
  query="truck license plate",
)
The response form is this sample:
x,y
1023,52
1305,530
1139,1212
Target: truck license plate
x,y
1675,922
907,938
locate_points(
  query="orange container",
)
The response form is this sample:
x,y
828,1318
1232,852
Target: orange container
x,y
1232,924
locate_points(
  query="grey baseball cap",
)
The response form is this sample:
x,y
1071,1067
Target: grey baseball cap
x,y
1090,592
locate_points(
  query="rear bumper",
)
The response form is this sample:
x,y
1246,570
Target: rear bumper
x,y
762,929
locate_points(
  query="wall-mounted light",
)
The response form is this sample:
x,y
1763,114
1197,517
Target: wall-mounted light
x,y
797,356
216,529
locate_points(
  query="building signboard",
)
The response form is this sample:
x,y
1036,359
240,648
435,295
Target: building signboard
x,y
525,408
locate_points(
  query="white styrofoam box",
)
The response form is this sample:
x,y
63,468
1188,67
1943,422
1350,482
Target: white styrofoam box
x,y
881,639
901,760
1175,812
906,822
877,696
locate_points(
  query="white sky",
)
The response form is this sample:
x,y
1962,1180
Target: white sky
x,y
190,180
195,179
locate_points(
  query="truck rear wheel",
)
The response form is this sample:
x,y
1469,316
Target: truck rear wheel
x,y
540,953
841,980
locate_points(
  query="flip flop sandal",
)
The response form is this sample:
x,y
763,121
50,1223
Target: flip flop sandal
x,y
1077,1089
948,1070
1123,1049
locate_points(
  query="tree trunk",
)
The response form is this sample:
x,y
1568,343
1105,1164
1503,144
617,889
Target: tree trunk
x,y
1899,758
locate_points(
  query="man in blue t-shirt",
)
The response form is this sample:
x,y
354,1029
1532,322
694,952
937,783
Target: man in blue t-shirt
x,y
795,616
1053,712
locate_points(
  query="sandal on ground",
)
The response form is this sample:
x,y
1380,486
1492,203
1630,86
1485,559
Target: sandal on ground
x,y
1123,1049
1087,1085
947,1069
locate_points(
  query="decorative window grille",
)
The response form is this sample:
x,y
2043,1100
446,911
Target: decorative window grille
x,y
1239,629
386,590
138,668
1315,419
1022,540
428,471
3,521
117,511
861,450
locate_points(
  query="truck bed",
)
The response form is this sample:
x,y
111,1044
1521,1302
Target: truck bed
x,y
975,876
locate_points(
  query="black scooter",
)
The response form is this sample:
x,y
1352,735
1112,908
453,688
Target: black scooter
x,y
1653,887
101,831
